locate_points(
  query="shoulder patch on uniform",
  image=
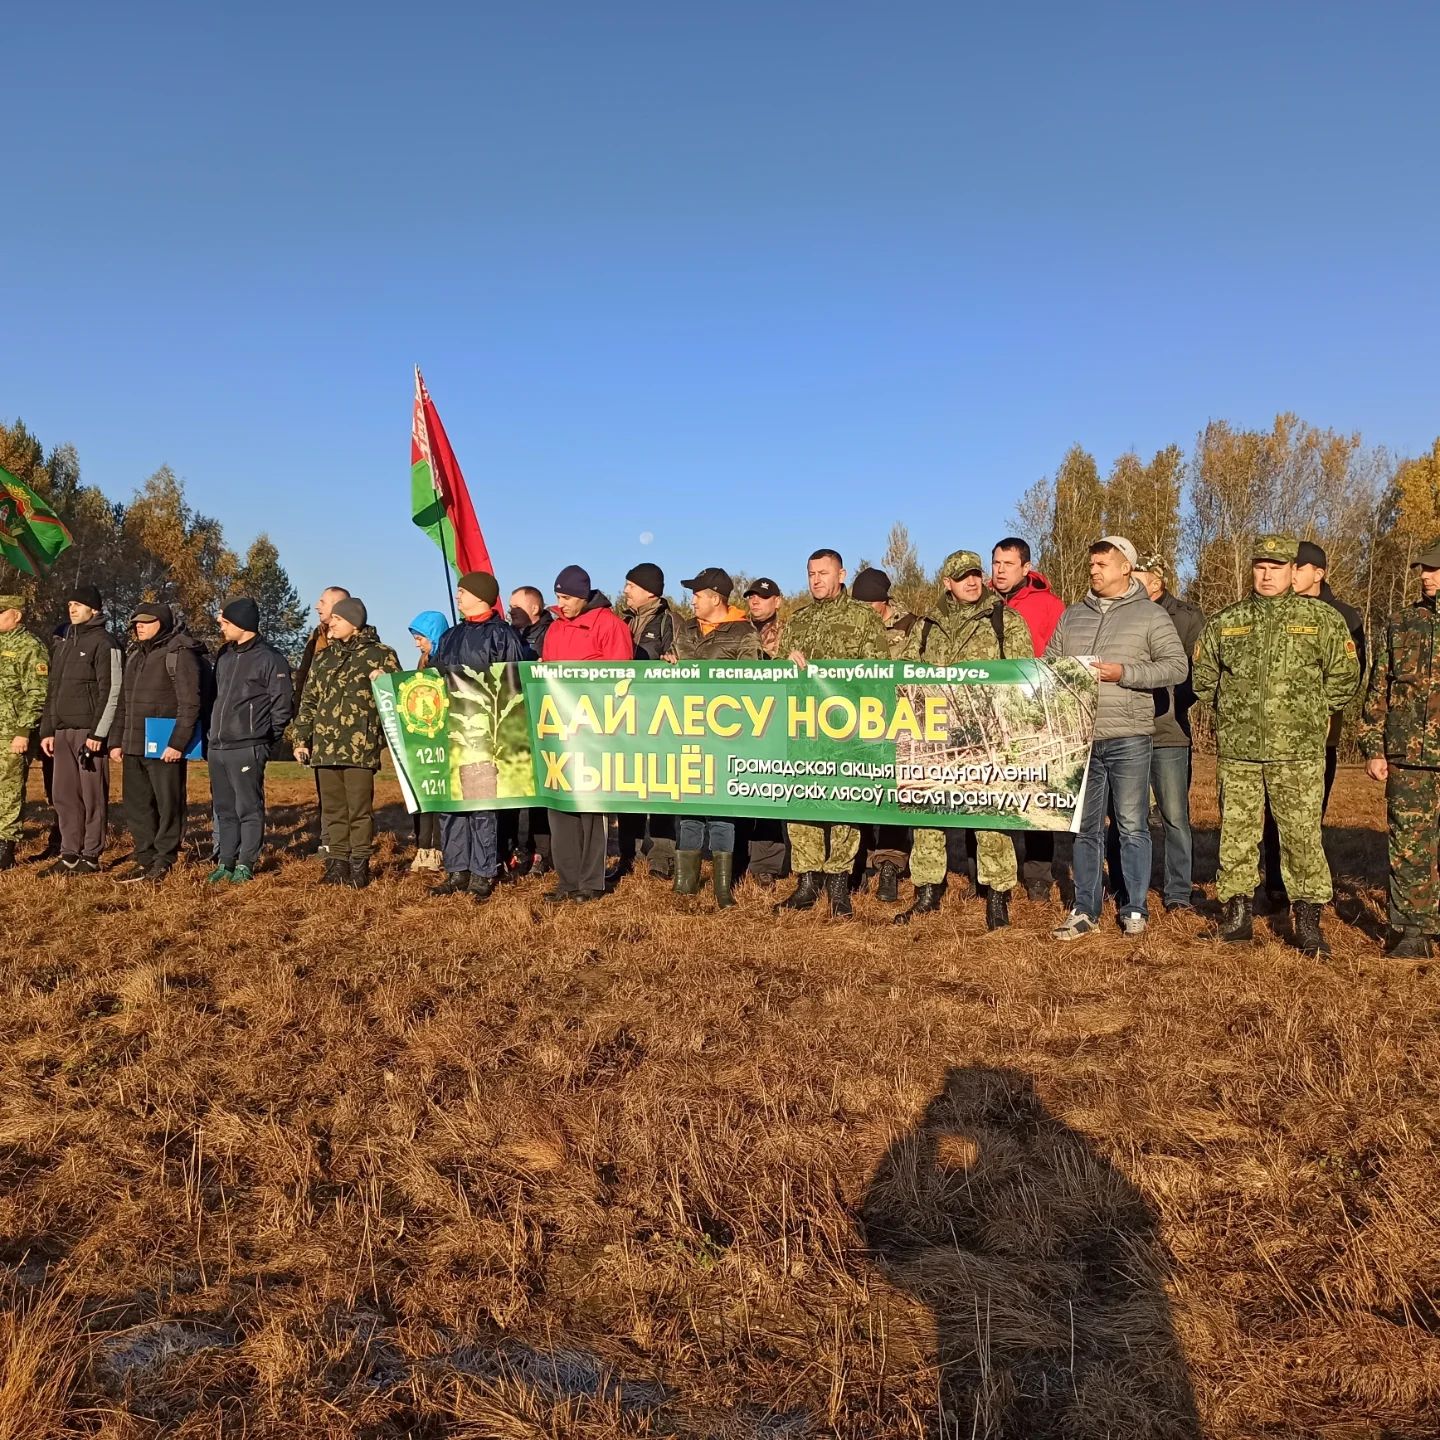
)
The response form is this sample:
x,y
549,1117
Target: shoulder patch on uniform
x,y
1236,629
1303,629
41,668
1350,648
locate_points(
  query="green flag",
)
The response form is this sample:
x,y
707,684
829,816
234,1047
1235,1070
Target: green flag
x,y
32,535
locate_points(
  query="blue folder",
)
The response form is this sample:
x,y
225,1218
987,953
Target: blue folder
x,y
157,739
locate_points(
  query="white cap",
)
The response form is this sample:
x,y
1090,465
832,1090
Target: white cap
x,y
1123,546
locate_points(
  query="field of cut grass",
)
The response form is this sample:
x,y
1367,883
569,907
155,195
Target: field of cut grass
x,y
286,1161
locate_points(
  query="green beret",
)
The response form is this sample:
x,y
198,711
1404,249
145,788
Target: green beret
x,y
960,564
1281,548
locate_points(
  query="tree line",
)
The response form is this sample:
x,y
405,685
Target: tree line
x,y
153,546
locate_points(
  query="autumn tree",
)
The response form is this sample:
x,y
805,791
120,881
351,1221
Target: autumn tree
x,y
1077,518
263,578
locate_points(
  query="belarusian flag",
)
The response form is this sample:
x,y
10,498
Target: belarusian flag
x,y
32,535
440,503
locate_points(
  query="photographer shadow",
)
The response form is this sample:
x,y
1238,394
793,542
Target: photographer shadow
x,y
1042,1265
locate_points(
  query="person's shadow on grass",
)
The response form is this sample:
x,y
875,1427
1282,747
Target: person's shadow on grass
x,y
1042,1264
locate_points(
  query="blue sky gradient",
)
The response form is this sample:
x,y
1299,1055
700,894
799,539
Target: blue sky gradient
x,y
751,278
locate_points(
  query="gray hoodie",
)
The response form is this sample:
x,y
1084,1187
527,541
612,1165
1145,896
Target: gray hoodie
x,y
1135,633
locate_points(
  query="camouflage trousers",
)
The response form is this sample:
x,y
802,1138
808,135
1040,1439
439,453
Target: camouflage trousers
x,y
994,852
809,850
1295,789
13,769
1412,804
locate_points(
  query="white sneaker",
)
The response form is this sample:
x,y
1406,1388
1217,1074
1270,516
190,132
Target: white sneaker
x,y
1133,923
1075,925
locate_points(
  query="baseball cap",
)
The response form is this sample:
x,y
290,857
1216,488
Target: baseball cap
x,y
1429,557
1307,552
712,577
765,588
1121,544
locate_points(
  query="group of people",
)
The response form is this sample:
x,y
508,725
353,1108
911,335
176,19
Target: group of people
x,y
1277,669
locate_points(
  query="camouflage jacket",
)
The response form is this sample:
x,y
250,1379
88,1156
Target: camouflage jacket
x,y
1401,719
968,631
24,672
768,633
338,722
838,629
1275,668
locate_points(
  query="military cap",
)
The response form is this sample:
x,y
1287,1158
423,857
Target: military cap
x,y
11,602
961,563
1280,548
1152,565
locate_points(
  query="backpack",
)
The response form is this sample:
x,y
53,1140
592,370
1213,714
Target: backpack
x,y
997,622
926,626
183,638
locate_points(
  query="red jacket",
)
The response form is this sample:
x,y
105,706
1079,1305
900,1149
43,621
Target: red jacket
x,y
596,633
1038,606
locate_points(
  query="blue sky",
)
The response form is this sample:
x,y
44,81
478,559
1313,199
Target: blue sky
x,y
751,277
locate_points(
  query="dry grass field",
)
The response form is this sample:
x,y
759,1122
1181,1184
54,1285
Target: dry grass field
x,y
285,1161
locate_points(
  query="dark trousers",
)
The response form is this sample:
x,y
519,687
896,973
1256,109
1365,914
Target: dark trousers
x,y
524,834
347,810
81,795
577,849
887,844
767,848
469,841
1270,837
237,793
650,836
427,830
692,833
154,808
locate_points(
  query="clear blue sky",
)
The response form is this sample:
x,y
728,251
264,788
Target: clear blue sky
x,y
752,277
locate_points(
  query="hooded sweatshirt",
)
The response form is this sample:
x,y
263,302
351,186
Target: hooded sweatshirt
x,y
150,692
596,633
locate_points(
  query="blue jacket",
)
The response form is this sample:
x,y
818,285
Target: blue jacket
x,y
480,643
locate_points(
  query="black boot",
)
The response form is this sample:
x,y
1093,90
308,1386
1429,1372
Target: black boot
x,y
927,901
887,883
1305,924
52,845
805,894
453,884
359,873
837,887
1408,944
482,887
997,909
337,872
687,872
7,854
1237,923
722,870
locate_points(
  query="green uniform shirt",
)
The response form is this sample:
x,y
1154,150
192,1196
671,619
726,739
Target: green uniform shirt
x,y
1275,667
1401,719
969,631
838,629
24,674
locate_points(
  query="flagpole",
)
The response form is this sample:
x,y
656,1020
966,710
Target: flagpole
x,y
439,500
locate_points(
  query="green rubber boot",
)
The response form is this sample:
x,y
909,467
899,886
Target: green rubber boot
x,y
687,872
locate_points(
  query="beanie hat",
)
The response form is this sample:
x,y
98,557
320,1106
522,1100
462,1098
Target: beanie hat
x,y
871,585
243,613
572,580
86,595
648,577
482,585
352,608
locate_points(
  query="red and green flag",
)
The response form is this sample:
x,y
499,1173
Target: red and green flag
x,y
439,501
32,535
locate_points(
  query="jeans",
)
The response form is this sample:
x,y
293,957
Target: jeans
x,y
1118,768
690,834
1170,780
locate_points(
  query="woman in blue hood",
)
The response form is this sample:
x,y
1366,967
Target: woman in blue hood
x,y
426,629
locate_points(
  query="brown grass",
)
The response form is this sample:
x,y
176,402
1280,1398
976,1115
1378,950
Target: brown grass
x,y
290,1162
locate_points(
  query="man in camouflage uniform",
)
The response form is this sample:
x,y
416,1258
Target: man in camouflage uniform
x,y
1400,739
973,624
24,672
831,627
1275,666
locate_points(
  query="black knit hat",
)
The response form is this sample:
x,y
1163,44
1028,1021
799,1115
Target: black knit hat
x,y
86,595
648,577
482,585
871,585
572,580
243,613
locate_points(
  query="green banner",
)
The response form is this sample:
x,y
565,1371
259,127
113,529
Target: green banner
x,y
997,744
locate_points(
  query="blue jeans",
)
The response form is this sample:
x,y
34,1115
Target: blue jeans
x,y
690,834
1170,780
1120,773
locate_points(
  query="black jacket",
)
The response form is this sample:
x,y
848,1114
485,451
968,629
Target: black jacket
x,y
1355,624
534,635
254,697
151,692
84,687
480,644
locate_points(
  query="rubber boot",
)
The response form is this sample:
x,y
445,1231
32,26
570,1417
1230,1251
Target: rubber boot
x,y
837,887
1408,944
805,894
722,870
997,909
453,884
359,873
927,901
1237,923
887,883
1305,923
687,872
337,872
